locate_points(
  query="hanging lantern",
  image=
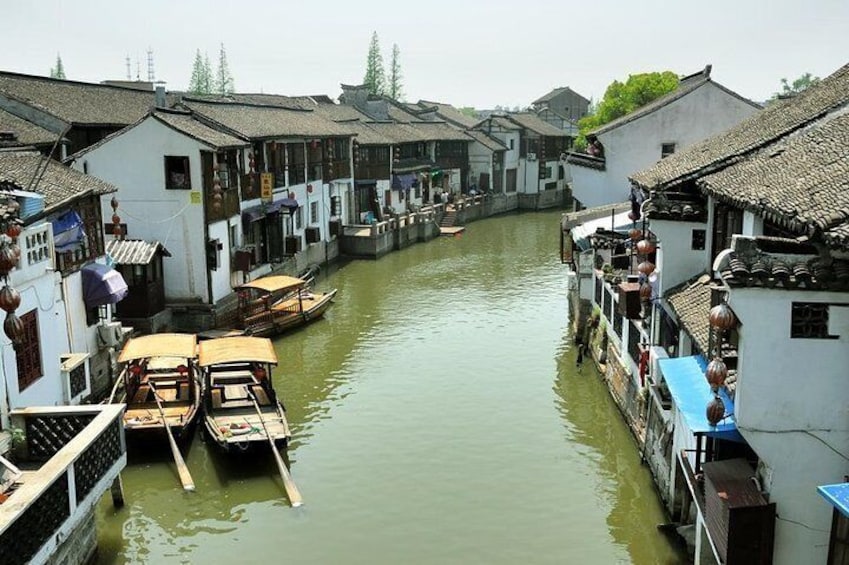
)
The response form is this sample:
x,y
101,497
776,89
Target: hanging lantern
x,y
715,410
10,299
114,203
646,247
13,230
8,259
716,373
645,292
13,327
117,231
635,234
633,217
646,268
722,317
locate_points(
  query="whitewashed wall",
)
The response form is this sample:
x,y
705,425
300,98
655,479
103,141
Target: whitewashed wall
x,y
677,261
636,145
792,407
150,211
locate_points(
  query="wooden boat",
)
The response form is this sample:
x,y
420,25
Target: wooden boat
x,y
160,385
271,305
240,406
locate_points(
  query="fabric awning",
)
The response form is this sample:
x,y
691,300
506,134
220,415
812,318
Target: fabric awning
x,y
580,234
262,210
102,285
685,378
836,495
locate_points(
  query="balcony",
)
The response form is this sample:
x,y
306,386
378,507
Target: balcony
x,y
68,459
229,206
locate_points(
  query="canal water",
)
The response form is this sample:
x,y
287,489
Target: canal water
x,y
438,418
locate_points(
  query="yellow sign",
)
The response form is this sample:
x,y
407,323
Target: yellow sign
x,y
266,185
195,197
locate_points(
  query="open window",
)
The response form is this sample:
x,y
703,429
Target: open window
x,y
177,175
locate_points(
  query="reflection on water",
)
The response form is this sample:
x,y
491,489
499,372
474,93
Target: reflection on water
x,y
438,418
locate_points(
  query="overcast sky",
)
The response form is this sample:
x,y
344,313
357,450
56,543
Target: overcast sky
x,y
481,53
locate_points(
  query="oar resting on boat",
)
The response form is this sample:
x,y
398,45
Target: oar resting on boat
x,y
291,490
182,468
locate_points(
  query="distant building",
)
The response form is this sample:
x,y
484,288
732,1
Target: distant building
x,y
564,102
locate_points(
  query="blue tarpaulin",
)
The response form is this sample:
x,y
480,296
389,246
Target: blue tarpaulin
x,y
102,285
685,378
837,495
68,233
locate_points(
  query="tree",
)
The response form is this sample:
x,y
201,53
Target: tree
x,y
207,75
396,91
223,78
59,70
198,81
468,111
623,98
791,89
375,78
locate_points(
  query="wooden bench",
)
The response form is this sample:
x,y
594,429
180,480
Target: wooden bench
x,y
140,397
216,397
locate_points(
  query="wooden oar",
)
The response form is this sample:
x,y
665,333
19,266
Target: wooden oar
x,y
291,490
118,381
182,468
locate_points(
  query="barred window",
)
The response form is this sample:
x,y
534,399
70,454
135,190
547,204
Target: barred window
x,y
809,320
28,354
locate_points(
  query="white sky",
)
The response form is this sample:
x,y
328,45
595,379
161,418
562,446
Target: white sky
x,y
467,53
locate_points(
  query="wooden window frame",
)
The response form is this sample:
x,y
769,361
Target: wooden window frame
x,y
28,353
175,164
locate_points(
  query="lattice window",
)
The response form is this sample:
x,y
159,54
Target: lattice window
x,y
97,459
617,322
598,286
38,523
38,247
809,320
609,305
634,337
28,354
46,435
76,380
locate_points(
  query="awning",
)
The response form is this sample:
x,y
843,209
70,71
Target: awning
x,y
102,285
262,210
685,378
837,495
68,232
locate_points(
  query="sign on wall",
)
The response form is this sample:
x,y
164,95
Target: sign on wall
x,y
266,181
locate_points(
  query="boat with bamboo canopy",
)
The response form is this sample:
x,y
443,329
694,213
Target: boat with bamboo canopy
x,y
274,304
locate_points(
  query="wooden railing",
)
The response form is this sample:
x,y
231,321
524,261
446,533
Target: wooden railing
x,y
81,451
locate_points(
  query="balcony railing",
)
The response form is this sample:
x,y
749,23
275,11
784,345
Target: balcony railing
x,y
77,452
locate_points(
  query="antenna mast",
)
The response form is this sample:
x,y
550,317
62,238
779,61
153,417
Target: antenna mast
x,y
129,72
151,76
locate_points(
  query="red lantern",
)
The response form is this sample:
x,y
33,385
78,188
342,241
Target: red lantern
x,y
183,370
646,247
646,268
13,327
8,259
722,317
10,299
136,369
716,373
715,410
309,188
260,373
635,234
13,230
645,292
116,219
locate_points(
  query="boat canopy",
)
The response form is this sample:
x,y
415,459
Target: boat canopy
x,y
244,349
159,345
273,283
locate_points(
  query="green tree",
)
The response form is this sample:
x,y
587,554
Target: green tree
x,y
623,98
396,91
468,111
206,79
198,82
223,79
792,88
59,70
375,78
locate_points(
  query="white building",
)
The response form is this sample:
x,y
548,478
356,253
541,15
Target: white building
x,y
697,109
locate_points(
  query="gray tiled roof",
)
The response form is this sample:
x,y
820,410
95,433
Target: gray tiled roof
x,y
58,184
186,124
450,113
27,132
78,103
536,124
691,303
133,251
486,140
800,182
265,122
557,92
774,122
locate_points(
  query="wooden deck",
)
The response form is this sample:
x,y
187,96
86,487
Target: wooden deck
x,y
453,230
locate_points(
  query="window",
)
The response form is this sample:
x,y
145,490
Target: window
x,y
697,241
314,212
512,141
177,175
809,320
28,354
299,218
666,149
37,247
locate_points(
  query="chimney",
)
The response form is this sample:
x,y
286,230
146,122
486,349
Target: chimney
x,y
707,70
159,96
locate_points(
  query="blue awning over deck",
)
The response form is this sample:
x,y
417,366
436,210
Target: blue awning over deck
x,y
685,378
837,495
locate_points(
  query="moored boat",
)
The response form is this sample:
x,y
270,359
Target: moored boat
x,y
240,405
274,304
159,384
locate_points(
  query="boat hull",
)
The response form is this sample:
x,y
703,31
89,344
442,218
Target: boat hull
x,y
281,322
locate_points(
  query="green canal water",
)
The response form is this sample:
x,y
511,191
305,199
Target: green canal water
x,y
438,418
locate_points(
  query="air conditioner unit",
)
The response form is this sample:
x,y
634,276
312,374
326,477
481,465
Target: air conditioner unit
x,y
110,334
532,156
76,377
